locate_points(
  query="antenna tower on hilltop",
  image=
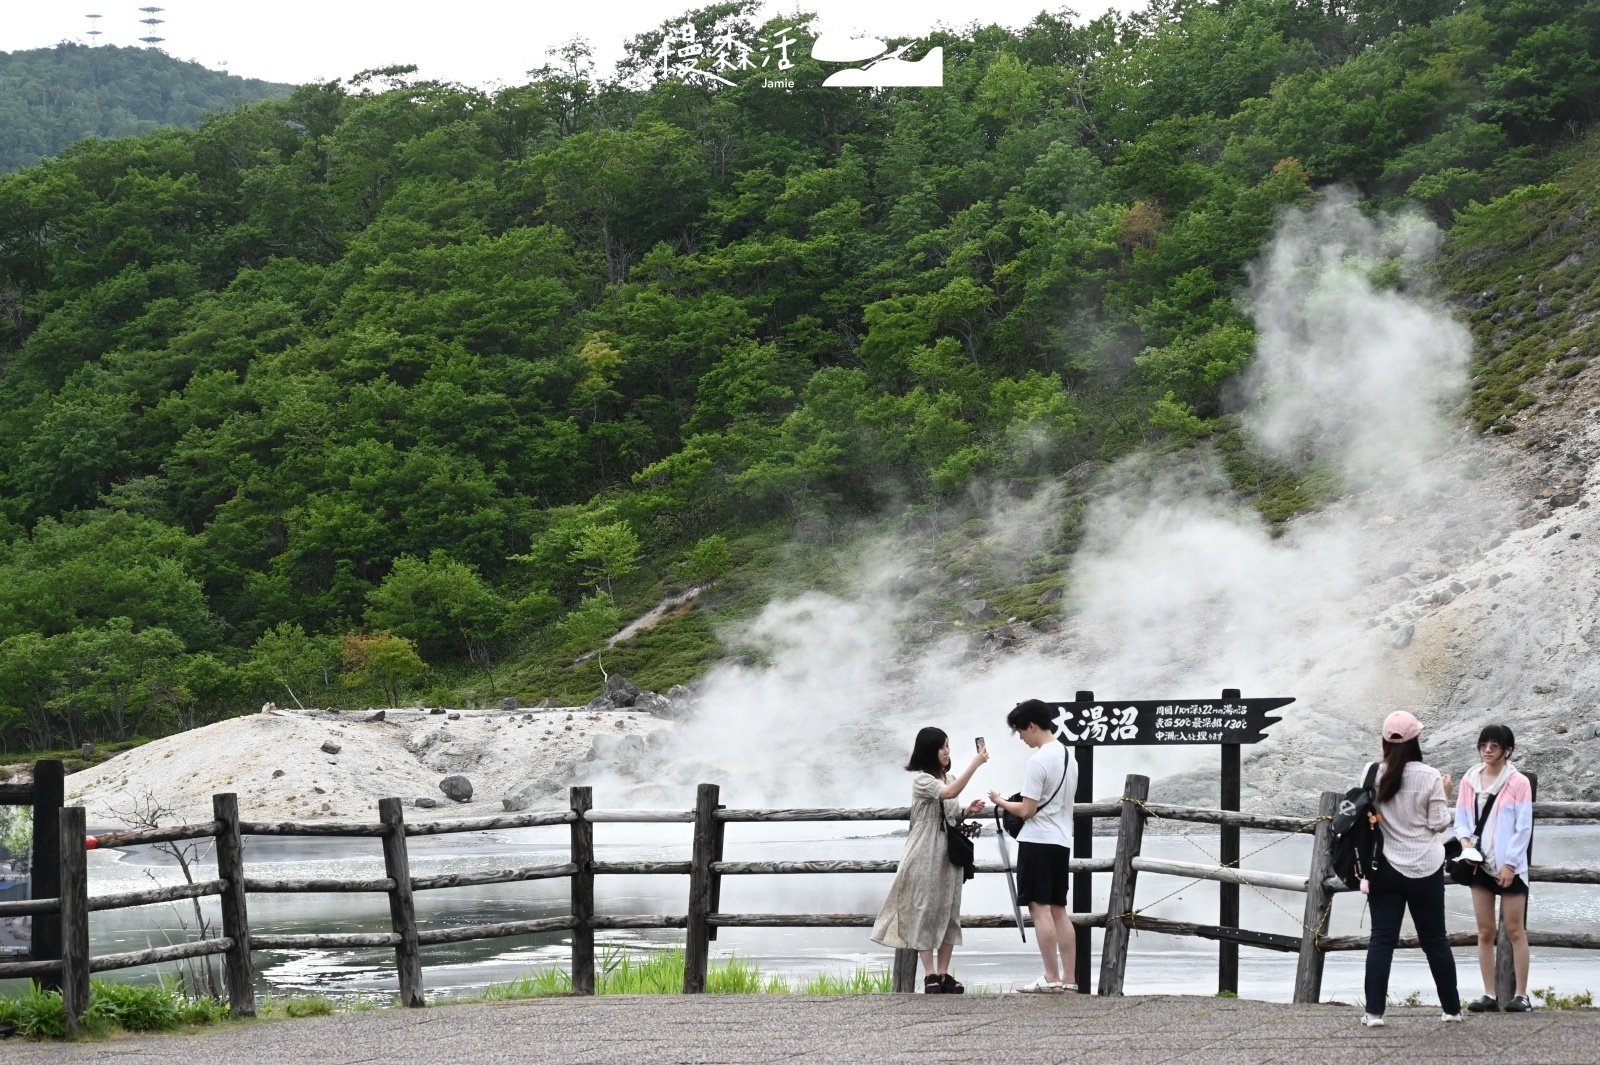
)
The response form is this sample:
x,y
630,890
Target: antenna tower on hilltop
x,y
152,22
93,31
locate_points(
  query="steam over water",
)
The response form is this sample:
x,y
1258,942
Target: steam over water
x,y
1179,590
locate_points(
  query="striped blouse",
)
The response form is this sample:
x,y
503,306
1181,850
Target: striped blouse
x,y
1414,820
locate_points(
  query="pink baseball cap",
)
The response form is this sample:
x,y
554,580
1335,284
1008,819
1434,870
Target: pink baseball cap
x,y
1401,726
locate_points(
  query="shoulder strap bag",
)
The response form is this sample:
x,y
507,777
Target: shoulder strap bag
x,y
1457,868
1014,823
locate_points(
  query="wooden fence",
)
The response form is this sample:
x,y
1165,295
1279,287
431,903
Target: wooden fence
x,y
67,913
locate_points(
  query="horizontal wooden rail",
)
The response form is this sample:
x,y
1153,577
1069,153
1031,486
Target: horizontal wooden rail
x,y
866,920
1268,940
16,794
531,819
464,933
884,865
639,920
197,948
1564,874
313,886
1574,940
29,970
125,899
1222,874
888,813
492,876
639,817
1201,815
143,836
29,907
1558,811
311,828
642,868
323,940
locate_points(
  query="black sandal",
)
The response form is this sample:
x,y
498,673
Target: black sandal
x,y
951,985
933,984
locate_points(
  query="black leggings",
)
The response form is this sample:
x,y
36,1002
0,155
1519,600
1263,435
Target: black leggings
x,y
1389,895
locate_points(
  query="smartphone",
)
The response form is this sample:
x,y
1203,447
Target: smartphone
x,y
979,742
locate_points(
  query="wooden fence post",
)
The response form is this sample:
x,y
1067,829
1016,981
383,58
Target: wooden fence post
x,y
1124,880
697,945
402,908
1319,899
238,964
74,914
1505,969
49,789
903,976
581,801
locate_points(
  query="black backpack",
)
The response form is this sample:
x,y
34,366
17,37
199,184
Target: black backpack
x,y
1357,839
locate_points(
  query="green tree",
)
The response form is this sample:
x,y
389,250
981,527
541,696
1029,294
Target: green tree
x,y
380,661
440,602
607,552
302,665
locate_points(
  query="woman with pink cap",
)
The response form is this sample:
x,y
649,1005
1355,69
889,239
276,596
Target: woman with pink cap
x,y
1414,814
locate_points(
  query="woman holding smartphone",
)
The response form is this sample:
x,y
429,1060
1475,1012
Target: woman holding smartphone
x,y
923,910
1495,793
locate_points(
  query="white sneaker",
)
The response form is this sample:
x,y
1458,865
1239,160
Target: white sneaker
x,y
1450,1018
1370,1021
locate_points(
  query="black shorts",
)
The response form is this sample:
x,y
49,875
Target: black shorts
x,y
1481,879
1043,875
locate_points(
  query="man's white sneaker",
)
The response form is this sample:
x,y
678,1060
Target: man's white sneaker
x,y
1369,1020
1450,1018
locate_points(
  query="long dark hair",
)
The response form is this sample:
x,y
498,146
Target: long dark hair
x,y
925,752
1395,758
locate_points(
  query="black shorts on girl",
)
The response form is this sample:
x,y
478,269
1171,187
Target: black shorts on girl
x,y
1489,883
1043,873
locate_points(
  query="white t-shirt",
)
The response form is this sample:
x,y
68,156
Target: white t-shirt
x,y
1053,822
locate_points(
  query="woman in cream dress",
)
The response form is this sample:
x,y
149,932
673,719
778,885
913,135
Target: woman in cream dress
x,y
923,910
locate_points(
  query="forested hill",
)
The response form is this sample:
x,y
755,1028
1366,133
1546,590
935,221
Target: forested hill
x,y
390,374
53,97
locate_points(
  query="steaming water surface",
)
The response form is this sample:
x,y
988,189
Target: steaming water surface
x,y
993,958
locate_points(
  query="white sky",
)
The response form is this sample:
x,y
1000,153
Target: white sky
x,y
472,41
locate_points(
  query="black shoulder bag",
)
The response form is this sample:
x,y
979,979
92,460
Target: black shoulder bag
x,y
1456,869
958,842
1014,823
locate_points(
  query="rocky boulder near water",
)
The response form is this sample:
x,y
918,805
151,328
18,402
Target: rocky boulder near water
x,y
456,787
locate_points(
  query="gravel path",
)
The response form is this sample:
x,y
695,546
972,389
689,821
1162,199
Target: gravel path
x,y
996,1030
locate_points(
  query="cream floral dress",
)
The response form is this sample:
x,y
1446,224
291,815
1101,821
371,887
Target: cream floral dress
x,y
923,910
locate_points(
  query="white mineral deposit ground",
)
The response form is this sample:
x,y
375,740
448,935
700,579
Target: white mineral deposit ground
x,y
989,958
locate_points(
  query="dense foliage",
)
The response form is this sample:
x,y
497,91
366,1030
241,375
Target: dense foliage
x,y
53,97
395,368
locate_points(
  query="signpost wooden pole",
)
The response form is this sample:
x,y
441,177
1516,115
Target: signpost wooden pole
x,y
1228,907
1083,848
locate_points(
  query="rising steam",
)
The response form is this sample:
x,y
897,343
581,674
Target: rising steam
x,y
1178,591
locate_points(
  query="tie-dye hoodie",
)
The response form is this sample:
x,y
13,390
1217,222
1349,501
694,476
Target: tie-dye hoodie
x,y
1509,830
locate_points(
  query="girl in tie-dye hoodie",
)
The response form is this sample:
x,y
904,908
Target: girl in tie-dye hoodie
x,y
1494,782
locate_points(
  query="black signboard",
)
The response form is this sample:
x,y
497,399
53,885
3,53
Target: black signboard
x,y
1130,722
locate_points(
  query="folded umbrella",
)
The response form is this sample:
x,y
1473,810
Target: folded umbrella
x,y
1011,880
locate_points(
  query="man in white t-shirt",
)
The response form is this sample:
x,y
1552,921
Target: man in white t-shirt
x,y
1044,846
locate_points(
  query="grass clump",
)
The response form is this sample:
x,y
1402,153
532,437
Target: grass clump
x,y
1551,999
661,973
861,982
311,1006
40,1014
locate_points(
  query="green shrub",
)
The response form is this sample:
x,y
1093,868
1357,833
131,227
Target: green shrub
x,y
37,1013
135,1008
313,1006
